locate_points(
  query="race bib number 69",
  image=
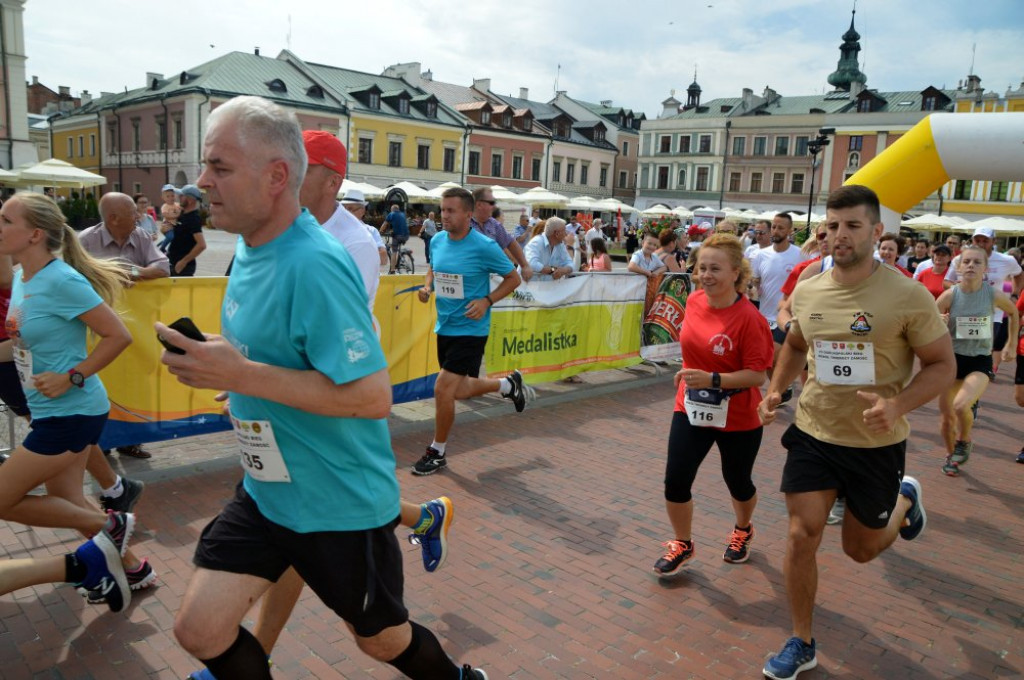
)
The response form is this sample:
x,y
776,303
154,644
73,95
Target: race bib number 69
x,y
844,363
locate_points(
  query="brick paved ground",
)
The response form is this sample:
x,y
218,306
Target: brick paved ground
x,y
559,517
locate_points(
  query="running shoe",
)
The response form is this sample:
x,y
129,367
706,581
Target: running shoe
x,y
961,451
1020,456
916,516
204,674
104,571
950,468
676,554
130,494
3,458
143,576
470,673
431,462
738,550
432,534
119,527
838,511
521,393
796,656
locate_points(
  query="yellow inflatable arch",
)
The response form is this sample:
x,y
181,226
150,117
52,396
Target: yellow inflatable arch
x,y
940,148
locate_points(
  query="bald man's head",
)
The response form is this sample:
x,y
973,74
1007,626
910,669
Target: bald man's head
x,y
117,211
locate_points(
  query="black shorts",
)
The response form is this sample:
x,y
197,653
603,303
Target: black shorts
x,y
397,242
1018,379
10,389
966,365
461,354
779,335
1000,334
358,574
868,478
59,434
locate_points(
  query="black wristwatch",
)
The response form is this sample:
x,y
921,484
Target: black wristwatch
x,y
716,381
77,379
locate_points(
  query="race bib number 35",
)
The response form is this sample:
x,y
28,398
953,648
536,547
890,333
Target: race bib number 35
x,y
844,363
261,458
448,286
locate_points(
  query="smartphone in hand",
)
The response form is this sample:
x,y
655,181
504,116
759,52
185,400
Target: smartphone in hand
x,y
186,327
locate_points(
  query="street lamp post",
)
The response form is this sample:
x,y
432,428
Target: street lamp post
x,y
815,146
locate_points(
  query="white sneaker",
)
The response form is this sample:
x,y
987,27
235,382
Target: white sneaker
x,y
835,515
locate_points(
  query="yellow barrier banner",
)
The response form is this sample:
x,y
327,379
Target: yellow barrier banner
x,y
554,329
407,336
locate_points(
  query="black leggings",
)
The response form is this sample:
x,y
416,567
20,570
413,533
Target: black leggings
x,y
687,448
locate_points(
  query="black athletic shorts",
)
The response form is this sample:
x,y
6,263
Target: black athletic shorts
x,y
55,435
461,354
868,478
965,365
358,574
1019,378
1000,334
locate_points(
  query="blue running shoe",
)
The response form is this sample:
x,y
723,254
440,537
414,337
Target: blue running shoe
x,y
916,516
796,656
104,571
432,534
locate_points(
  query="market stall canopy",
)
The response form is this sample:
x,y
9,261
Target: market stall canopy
x,y
681,212
613,205
541,197
57,173
436,192
7,176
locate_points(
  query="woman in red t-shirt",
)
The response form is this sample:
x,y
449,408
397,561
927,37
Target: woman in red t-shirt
x,y
1018,379
727,350
933,277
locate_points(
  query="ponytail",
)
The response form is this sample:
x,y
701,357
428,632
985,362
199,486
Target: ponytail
x,y
107,277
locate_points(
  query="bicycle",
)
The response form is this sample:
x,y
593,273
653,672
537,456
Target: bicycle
x,y
406,263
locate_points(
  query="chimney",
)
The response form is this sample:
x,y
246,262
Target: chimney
x,y
524,93
482,84
856,88
973,83
256,51
64,90
35,80
86,97
150,77
769,94
607,103
428,76
410,72
560,93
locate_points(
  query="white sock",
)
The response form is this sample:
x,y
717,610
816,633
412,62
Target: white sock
x,y
506,387
438,446
114,491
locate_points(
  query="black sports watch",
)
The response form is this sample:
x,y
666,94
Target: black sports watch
x,y
716,381
77,379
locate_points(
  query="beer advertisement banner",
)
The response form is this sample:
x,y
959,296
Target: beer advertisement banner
x,y
554,329
663,317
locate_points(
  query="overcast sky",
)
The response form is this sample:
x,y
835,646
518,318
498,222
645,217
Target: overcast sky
x,y
634,53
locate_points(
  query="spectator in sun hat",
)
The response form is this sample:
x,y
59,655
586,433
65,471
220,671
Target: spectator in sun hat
x,y
188,240
355,202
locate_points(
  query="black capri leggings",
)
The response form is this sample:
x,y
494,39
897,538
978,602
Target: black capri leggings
x,y
687,448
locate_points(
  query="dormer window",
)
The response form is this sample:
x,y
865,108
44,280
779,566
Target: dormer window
x,y
277,85
864,105
315,92
373,101
598,135
431,109
403,106
485,117
506,119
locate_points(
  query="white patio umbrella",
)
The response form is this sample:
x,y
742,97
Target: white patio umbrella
x,y
612,205
1003,226
415,193
441,188
681,212
582,203
7,176
656,211
369,191
541,197
57,173
503,195
931,222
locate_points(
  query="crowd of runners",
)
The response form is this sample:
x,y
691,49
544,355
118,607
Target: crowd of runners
x,y
302,373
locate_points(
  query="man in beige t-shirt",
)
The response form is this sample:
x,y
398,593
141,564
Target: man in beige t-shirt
x,y
859,326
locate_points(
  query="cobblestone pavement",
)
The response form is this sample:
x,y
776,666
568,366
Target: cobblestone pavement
x,y
559,518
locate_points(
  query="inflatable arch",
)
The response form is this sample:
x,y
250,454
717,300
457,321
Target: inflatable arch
x,y
940,148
